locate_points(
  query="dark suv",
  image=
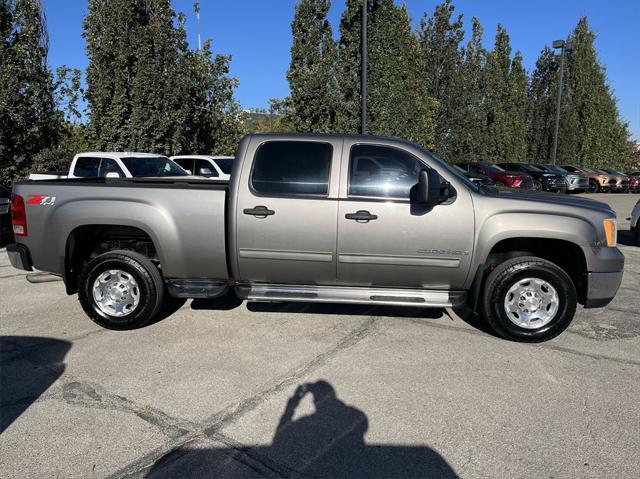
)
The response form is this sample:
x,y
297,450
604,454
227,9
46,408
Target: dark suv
x,y
500,177
542,180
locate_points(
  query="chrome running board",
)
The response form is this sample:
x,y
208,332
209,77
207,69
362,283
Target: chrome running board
x,y
353,295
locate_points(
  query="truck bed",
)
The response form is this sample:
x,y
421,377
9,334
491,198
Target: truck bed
x,y
185,219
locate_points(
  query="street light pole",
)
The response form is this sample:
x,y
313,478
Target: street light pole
x,y
561,45
363,72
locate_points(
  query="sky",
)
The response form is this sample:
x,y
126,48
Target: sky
x,y
257,35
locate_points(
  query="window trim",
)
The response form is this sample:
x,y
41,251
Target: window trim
x,y
309,196
394,199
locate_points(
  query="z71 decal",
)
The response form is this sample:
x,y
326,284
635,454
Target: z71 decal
x,y
42,200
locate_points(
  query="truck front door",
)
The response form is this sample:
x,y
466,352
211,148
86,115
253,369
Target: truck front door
x,y
383,238
286,211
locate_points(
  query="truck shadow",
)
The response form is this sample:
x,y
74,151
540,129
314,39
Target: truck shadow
x,y
230,301
28,366
326,444
626,238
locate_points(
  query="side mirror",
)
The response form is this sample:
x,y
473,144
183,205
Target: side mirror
x,y
429,190
188,171
112,174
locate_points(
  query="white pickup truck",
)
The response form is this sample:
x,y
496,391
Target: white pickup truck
x,y
218,167
116,165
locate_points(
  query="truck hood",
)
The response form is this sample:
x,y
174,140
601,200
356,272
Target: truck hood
x,y
544,198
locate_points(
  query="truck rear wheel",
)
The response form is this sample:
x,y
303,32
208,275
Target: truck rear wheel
x,y
120,290
529,299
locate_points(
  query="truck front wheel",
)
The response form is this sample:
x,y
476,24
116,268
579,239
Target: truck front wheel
x,y
120,290
529,299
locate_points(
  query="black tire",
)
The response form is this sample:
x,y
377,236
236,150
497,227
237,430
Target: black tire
x,y
146,275
506,275
593,186
537,186
637,234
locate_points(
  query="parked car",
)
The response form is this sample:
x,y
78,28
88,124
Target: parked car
x,y
576,182
500,177
598,181
6,232
475,177
634,182
311,218
635,223
116,165
542,180
622,180
206,166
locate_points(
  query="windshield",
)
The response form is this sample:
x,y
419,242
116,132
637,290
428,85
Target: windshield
x,y
555,169
491,167
225,164
152,166
615,172
531,168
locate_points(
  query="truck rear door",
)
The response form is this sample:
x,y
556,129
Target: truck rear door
x,y
286,211
386,240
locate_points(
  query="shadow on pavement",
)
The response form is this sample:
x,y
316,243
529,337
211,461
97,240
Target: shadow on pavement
x,y
326,444
28,366
626,238
347,309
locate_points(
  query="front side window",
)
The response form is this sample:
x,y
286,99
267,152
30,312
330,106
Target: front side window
x,y
109,165
382,171
292,168
152,166
186,163
87,167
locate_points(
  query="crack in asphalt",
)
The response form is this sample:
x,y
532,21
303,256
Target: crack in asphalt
x,y
211,427
538,345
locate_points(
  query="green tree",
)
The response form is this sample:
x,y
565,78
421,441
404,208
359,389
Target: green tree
x,y
147,90
397,103
599,135
311,74
29,119
496,80
471,124
440,41
591,131
541,107
516,146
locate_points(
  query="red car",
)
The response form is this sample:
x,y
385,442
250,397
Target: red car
x,y
634,182
500,177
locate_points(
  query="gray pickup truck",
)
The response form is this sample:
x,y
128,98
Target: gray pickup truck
x,y
322,218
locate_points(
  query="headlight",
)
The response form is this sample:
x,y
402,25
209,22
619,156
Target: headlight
x,y
611,232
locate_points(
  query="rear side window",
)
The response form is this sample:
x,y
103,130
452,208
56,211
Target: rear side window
x,y
292,168
87,167
381,171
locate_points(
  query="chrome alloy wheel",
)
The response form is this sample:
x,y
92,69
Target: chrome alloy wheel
x,y
116,293
531,303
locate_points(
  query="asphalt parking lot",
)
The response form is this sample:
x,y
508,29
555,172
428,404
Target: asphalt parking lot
x,y
228,389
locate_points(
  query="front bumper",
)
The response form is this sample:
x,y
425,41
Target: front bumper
x,y
602,288
578,184
19,257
